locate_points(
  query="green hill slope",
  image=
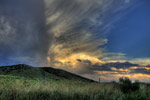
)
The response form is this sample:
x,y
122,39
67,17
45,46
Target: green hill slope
x,y
27,71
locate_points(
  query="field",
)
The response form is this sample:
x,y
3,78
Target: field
x,y
13,87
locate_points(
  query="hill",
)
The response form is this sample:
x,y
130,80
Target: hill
x,y
27,71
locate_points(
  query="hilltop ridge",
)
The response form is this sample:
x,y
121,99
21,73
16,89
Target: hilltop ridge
x,y
28,71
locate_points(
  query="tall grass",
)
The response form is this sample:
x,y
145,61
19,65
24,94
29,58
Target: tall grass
x,y
18,88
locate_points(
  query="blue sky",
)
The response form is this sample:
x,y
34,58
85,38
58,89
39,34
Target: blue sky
x,y
130,35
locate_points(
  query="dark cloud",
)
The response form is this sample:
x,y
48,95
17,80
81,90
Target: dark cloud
x,y
22,30
141,70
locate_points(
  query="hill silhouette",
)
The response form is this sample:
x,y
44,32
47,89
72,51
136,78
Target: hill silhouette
x,y
27,71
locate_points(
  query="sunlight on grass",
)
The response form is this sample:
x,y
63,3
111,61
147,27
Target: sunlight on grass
x,y
18,88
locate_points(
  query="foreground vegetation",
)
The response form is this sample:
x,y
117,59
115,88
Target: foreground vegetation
x,y
19,88
23,82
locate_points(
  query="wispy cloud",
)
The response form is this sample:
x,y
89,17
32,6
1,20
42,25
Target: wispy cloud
x,y
72,27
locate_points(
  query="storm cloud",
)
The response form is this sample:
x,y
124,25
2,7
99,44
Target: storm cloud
x,y
51,30
66,34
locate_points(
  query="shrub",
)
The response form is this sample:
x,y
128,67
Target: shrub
x,y
127,86
135,86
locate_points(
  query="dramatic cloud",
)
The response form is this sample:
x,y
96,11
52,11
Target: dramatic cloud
x,y
66,34
113,71
73,28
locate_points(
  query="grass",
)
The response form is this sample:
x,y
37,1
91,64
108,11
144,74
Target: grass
x,y
21,88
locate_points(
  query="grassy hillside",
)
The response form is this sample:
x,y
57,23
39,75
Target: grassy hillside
x,y
27,71
21,82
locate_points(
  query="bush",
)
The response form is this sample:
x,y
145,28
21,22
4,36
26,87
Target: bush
x,y
135,86
127,86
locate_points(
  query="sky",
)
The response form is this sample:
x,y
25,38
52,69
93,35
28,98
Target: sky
x,y
134,28
105,39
